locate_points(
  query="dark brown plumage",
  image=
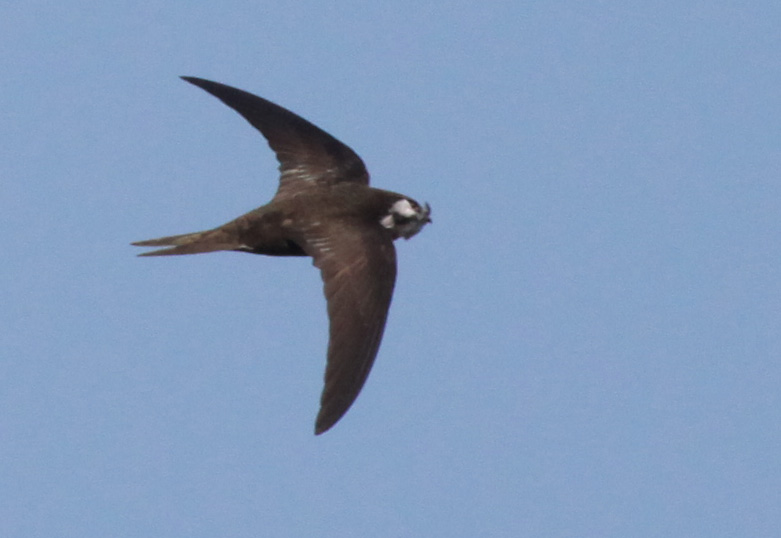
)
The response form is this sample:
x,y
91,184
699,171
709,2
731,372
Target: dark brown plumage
x,y
325,209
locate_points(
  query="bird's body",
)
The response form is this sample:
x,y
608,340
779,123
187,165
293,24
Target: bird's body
x,y
324,208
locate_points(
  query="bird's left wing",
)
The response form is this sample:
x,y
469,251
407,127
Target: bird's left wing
x,y
358,267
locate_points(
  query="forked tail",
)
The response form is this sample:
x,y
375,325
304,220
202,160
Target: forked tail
x,y
194,243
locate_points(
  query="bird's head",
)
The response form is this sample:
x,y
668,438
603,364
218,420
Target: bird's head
x,y
406,217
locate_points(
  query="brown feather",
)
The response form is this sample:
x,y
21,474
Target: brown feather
x,y
323,208
358,267
307,155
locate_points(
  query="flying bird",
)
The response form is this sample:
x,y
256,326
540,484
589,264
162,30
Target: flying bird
x,y
323,208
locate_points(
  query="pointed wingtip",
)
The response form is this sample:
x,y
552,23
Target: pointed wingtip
x,y
325,422
321,428
197,81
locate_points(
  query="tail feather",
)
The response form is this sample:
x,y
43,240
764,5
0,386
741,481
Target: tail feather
x,y
194,243
171,240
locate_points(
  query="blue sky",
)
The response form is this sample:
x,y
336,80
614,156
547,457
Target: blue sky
x,y
584,343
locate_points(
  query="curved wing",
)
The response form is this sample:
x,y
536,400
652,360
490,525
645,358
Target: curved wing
x,y
307,155
358,266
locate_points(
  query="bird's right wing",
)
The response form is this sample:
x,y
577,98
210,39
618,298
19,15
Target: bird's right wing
x,y
308,156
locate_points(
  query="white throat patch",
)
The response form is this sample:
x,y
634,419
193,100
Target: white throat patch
x,y
405,219
387,221
401,208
